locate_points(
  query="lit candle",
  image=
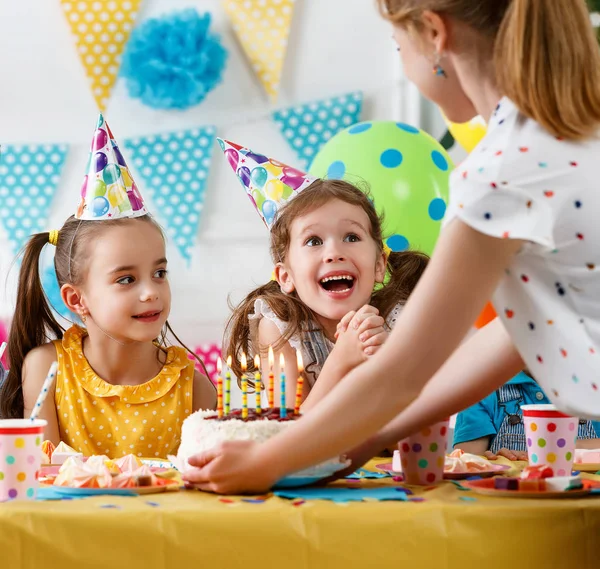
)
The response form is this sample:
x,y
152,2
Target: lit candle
x,y
271,392
282,409
228,387
244,387
299,383
257,383
219,389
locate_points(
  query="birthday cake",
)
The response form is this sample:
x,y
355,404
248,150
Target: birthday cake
x,y
205,429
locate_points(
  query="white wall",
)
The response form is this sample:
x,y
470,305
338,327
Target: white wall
x,y
335,46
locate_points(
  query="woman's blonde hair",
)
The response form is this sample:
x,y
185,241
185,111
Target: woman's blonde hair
x,y
546,55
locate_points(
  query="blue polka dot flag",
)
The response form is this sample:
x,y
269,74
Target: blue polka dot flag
x,y
308,127
174,167
29,176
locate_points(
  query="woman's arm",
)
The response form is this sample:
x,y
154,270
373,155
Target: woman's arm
x,y
35,369
462,275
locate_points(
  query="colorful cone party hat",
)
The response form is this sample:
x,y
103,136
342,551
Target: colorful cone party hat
x,y
268,183
108,190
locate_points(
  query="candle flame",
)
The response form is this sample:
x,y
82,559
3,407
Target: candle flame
x,y
281,362
219,366
299,360
229,361
243,362
271,358
256,362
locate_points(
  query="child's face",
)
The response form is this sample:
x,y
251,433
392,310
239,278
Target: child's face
x,y
332,241
126,290
418,54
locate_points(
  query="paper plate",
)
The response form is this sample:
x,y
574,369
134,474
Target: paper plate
x,y
311,475
137,491
497,469
486,487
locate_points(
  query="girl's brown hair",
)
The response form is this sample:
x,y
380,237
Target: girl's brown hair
x,y
34,322
404,270
545,55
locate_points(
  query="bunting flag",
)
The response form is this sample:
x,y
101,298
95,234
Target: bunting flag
x,y
29,176
101,29
174,167
263,29
308,127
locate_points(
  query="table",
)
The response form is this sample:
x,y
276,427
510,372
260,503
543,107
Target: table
x,y
449,529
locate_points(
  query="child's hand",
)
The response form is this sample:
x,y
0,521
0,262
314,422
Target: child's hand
x,y
506,453
368,325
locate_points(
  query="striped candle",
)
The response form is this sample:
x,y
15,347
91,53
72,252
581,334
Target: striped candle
x,y
282,409
271,392
219,389
299,383
244,379
228,387
257,383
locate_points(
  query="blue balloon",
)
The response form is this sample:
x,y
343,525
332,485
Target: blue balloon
x,y
269,209
259,176
100,206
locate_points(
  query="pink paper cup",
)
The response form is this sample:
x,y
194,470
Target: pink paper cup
x,y
551,437
20,458
423,454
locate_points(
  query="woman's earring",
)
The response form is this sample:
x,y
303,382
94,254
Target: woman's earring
x,y
438,70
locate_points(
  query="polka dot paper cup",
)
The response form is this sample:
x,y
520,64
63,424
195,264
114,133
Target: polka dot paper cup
x,y
20,458
423,455
551,437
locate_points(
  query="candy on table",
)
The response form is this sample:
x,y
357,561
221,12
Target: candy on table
x,y
142,476
78,474
128,463
532,484
563,483
101,459
587,456
47,449
62,452
506,483
537,471
459,461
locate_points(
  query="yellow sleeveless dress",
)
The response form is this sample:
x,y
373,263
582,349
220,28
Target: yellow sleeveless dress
x,y
96,417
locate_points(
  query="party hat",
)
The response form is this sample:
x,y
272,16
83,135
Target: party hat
x,y
108,190
269,183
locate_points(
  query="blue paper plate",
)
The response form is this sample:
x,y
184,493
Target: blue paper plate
x,y
296,481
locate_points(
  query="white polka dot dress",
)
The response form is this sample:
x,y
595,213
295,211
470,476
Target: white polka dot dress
x,y
97,417
523,183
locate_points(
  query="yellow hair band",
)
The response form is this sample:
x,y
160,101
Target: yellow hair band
x,y
53,237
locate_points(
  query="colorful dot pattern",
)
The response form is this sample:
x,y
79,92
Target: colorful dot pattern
x,y
423,455
29,176
174,167
209,354
96,417
523,183
20,459
407,173
551,441
308,127
101,29
263,29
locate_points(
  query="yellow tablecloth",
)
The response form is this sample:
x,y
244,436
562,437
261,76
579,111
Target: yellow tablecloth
x,y
184,529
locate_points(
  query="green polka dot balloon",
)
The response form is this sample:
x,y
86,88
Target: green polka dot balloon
x,y
407,172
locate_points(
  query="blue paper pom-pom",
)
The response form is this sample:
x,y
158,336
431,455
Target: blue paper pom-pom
x,y
173,62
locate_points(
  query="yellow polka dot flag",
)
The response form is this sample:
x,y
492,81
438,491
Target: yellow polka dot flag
x,y
262,27
101,29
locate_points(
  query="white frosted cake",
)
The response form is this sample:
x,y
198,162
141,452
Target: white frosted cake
x,y
204,429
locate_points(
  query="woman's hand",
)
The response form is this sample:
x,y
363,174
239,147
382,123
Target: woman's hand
x,y
231,467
